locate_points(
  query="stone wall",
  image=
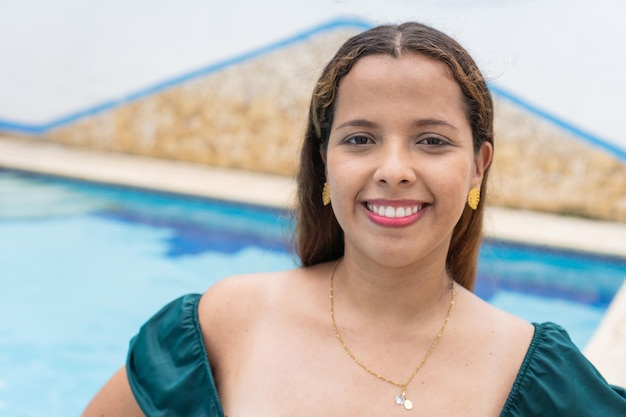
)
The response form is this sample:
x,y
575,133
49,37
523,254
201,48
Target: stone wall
x,y
540,166
252,116
248,116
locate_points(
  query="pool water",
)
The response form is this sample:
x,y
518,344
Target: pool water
x,y
84,265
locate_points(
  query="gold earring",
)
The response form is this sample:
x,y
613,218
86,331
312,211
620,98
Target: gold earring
x,y
473,198
326,194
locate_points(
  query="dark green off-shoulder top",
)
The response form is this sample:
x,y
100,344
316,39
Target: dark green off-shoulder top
x,y
170,374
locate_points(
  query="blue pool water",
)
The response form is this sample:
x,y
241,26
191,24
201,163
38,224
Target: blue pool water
x,y
83,266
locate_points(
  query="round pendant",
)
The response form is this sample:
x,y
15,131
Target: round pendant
x,y
408,404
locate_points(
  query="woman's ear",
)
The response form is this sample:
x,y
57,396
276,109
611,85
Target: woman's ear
x,y
482,161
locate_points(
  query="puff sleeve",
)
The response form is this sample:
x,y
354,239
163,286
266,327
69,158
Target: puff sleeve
x,y
555,379
167,365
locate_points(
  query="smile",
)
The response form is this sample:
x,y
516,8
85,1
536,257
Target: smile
x,y
394,212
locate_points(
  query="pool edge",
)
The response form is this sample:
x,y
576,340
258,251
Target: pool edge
x,y
607,347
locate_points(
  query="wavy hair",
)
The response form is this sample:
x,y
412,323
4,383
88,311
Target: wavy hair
x,y
319,237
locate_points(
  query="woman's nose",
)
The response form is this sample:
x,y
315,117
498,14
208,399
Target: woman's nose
x,y
395,165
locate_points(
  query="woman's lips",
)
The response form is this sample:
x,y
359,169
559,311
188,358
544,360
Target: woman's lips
x,y
396,214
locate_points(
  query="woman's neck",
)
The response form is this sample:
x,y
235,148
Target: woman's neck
x,y
378,292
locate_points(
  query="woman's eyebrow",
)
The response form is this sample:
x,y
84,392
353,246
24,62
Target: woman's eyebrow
x,y
434,122
358,123
418,123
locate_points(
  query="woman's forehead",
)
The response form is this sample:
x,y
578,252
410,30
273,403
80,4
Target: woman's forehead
x,y
412,82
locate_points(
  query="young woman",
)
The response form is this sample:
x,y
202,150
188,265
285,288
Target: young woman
x,y
380,319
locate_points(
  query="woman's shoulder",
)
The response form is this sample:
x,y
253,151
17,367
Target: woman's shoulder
x,y
237,294
244,298
482,321
240,299
231,310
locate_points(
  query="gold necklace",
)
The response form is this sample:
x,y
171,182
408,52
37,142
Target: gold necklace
x,y
400,398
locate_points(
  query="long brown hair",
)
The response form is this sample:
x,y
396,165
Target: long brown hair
x,y
318,235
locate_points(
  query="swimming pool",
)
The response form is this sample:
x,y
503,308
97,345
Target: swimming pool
x,y
84,265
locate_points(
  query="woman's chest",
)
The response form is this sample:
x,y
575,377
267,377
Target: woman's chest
x,y
307,375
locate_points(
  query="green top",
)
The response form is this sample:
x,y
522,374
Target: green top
x,y
170,375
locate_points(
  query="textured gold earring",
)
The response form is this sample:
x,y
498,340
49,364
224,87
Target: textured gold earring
x,y
473,198
326,194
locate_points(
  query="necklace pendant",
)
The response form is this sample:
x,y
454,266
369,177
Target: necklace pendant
x,y
401,400
408,404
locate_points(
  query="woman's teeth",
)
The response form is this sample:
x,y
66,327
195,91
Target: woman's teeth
x,y
393,212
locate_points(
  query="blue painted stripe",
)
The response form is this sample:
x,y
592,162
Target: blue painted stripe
x,y
17,127
570,128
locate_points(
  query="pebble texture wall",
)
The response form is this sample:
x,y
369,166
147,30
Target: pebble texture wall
x,y
539,166
252,115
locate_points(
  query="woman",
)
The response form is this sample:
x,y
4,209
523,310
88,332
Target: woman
x,y
380,319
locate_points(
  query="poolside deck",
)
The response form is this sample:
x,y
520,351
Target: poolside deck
x,y
607,349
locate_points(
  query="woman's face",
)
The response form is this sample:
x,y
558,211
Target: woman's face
x,y
400,160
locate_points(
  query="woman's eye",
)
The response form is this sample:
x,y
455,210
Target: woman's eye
x,y
358,140
433,140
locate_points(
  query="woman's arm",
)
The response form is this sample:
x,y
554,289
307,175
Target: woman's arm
x,y
115,399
